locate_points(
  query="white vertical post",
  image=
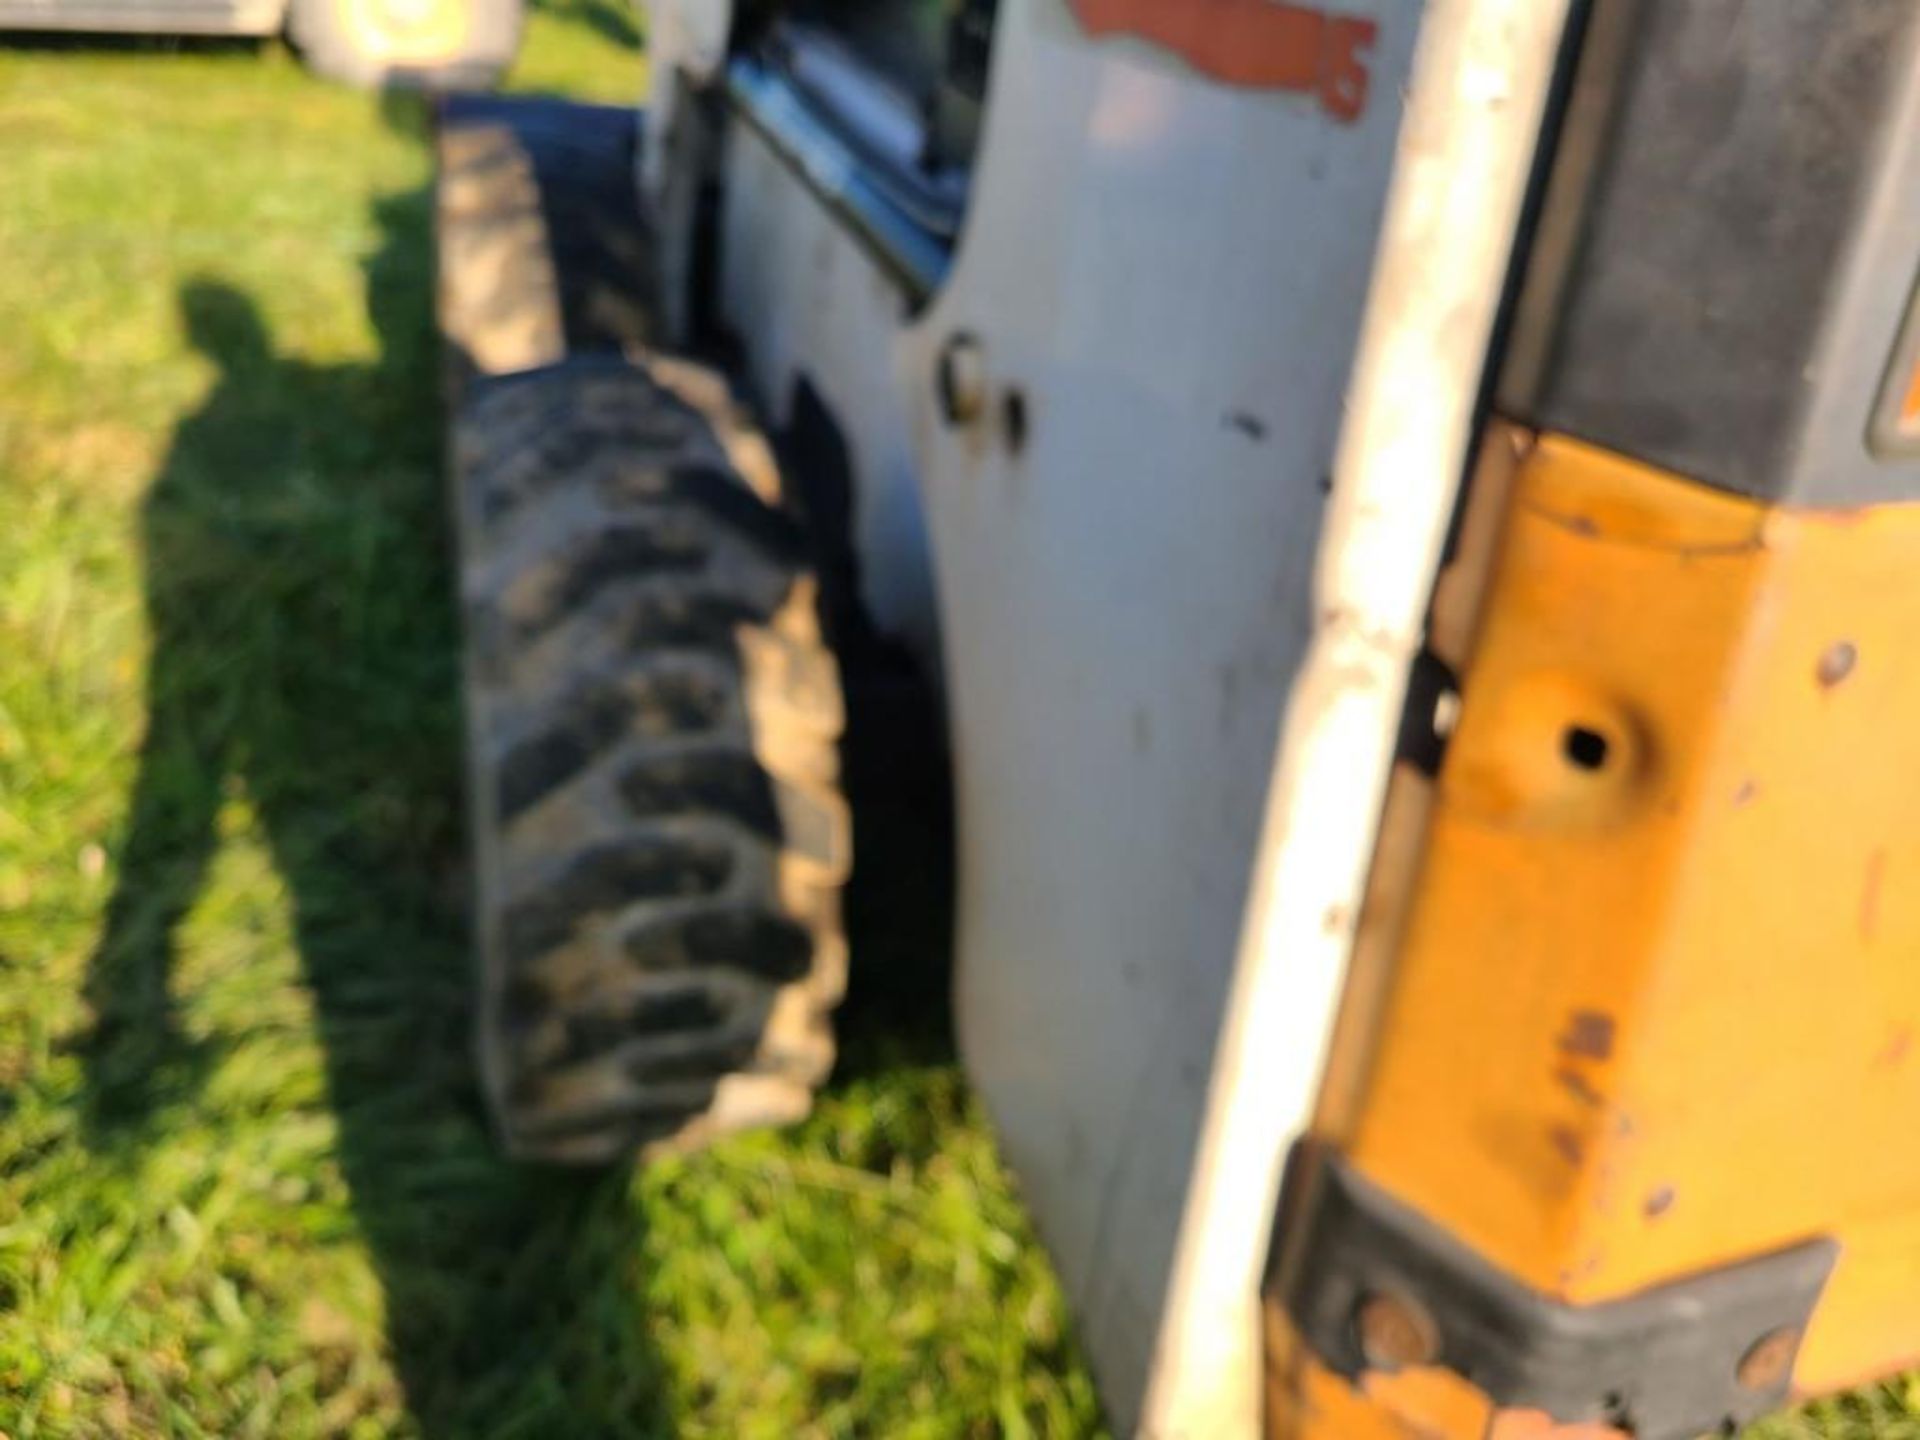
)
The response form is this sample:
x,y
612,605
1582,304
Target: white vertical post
x,y
1473,117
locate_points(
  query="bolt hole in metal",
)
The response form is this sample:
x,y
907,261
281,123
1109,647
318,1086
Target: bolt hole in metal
x,y
1395,1333
960,379
1585,748
1768,1363
1836,664
1014,419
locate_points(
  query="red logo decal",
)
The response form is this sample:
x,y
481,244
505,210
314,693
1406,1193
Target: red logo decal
x,y
1261,44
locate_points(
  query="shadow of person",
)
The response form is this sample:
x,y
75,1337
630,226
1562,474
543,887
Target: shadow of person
x,y
304,665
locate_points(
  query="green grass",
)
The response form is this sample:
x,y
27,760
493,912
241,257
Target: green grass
x,y
245,1189
1877,1412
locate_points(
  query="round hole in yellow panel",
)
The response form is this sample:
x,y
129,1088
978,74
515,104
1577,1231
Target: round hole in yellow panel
x,y
1550,749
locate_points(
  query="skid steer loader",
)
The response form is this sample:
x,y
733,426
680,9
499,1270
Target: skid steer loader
x,y
1411,512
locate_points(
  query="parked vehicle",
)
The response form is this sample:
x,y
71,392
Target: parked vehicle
x,y
1411,510
438,43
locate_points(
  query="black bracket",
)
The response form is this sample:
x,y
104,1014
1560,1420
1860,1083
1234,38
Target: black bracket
x,y
1372,1285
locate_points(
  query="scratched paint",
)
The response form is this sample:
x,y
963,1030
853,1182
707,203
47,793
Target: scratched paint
x,y
1588,1035
1259,44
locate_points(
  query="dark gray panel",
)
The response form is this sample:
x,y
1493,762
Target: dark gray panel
x,y
1698,1356
1727,228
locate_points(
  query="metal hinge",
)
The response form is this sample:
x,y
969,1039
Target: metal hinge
x,y
1371,1285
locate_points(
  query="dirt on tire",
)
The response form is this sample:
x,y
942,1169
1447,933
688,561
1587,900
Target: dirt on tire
x,y
654,716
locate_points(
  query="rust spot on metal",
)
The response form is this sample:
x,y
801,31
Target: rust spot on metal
x,y
1870,894
1589,1035
1260,44
1396,1333
1567,1142
1689,553
1015,420
1769,1361
1836,663
1894,1053
960,379
1578,1086
1658,1202
1587,528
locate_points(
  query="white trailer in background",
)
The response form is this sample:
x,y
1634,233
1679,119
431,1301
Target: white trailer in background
x,y
433,43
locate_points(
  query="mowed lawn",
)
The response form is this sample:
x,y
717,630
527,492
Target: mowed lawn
x,y
245,1187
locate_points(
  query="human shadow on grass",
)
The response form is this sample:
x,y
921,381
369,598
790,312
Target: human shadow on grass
x,y
305,657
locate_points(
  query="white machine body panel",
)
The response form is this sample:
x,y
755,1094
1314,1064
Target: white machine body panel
x,y
1171,272
1124,591
811,307
1161,278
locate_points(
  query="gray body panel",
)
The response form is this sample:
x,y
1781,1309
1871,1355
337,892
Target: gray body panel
x,y
1737,254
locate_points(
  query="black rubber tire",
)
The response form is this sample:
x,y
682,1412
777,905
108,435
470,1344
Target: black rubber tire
x,y
469,44
660,836
543,250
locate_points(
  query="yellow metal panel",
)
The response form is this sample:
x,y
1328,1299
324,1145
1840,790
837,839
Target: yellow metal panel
x,y
1655,1005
